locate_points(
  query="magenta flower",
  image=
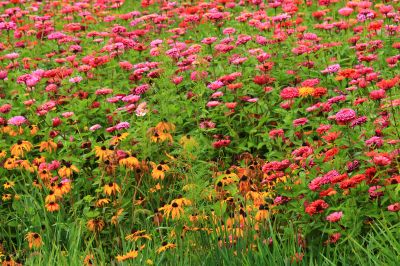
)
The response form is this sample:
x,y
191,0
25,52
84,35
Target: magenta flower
x,y
345,116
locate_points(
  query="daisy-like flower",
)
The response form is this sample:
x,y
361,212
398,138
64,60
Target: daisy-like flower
x,y
174,209
8,184
52,206
130,255
130,162
95,225
19,148
34,240
334,217
17,120
111,188
136,235
306,91
262,213
102,153
48,146
165,246
67,170
101,202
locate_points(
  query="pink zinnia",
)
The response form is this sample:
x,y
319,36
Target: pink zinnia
x,y
122,125
345,11
394,207
345,116
17,120
377,94
334,217
300,122
289,93
95,127
213,103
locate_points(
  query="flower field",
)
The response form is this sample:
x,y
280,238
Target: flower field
x,y
219,132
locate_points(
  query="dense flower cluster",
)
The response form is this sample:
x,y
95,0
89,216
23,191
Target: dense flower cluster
x,y
143,130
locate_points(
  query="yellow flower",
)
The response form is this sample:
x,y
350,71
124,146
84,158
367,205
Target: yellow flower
x,y
20,148
3,153
130,162
173,209
6,197
34,240
102,202
8,184
306,91
48,146
115,218
102,152
262,213
166,246
165,126
111,188
95,225
130,255
116,139
136,235
67,170
33,129
52,206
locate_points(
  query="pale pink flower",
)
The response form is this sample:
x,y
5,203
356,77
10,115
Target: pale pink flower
x,y
334,217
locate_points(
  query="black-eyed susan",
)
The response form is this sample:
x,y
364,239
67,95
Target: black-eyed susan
x,y
130,255
174,209
118,138
181,201
20,148
62,188
165,246
89,260
10,163
3,154
130,162
39,160
262,213
158,171
115,219
102,153
165,126
51,197
44,174
101,202
95,225
34,240
157,187
33,129
111,188
6,197
52,206
67,170
48,146
136,235
8,184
